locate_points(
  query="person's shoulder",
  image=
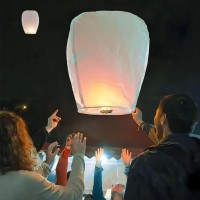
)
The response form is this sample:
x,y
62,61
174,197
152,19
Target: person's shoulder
x,y
29,176
150,156
23,178
196,138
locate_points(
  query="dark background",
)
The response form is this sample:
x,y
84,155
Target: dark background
x,y
33,68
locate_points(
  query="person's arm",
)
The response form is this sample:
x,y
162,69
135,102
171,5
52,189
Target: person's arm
x,y
40,137
61,168
126,158
39,187
75,187
145,127
44,168
97,186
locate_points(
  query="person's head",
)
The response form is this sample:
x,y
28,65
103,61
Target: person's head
x,y
88,197
16,145
176,113
117,192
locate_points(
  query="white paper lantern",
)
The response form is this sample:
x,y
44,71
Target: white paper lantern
x,y
107,54
30,21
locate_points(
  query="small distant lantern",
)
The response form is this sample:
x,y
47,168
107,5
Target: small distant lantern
x,y
30,21
107,55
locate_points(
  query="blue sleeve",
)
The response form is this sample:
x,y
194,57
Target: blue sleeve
x,y
97,187
126,170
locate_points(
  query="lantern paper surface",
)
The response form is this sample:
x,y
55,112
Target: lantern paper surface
x,y
107,54
30,21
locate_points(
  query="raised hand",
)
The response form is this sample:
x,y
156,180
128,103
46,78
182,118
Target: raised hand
x,y
51,152
53,121
137,116
69,142
98,154
126,157
79,144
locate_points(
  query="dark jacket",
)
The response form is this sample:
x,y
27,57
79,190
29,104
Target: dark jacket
x,y
97,191
168,171
39,138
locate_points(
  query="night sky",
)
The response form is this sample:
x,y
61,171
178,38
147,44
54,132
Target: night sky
x,y
33,68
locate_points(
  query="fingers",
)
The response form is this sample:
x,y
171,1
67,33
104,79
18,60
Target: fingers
x,y
102,151
56,151
84,140
70,136
79,144
81,137
54,113
56,118
99,152
75,138
69,140
52,146
136,110
125,152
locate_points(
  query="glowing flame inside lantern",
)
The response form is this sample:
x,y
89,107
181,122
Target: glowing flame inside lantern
x,y
30,30
102,94
106,110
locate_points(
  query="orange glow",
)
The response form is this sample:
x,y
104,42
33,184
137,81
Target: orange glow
x,y
102,94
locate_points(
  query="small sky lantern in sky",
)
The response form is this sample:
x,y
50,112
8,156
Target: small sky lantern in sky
x,y
30,21
107,55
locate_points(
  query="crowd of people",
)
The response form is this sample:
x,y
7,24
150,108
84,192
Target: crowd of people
x,y
168,170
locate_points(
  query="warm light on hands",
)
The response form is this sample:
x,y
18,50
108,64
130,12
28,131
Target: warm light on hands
x,y
137,116
126,157
50,154
98,154
79,144
53,121
69,141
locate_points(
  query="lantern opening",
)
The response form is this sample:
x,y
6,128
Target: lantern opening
x,y
106,110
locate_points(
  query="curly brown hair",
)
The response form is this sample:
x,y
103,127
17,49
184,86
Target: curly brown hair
x,y
16,146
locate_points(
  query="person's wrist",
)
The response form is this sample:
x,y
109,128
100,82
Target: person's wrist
x,y
139,122
126,164
48,161
77,152
68,147
48,129
98,164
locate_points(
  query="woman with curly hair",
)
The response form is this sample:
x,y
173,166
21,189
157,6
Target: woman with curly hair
x,y
18,163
